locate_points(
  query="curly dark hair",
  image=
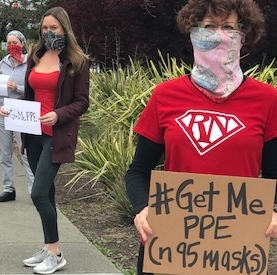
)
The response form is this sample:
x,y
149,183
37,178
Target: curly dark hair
x,y
249,14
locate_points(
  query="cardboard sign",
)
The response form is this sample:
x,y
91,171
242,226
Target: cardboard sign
x,y
207,224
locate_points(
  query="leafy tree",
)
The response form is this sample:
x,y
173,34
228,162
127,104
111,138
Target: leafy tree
x,y
111,31
268,46
23,15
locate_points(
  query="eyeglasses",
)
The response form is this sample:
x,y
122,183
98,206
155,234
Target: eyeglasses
x,y
226,26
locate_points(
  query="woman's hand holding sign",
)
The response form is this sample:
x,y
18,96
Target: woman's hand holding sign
x,y
3,112
272,229
142,225
12,85
50,118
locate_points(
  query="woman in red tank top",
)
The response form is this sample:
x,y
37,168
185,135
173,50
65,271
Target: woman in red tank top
x,y
58,77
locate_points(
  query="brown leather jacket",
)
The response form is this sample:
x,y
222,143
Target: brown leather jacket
x,y
72,100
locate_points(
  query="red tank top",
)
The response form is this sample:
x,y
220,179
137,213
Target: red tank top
x,y
44,86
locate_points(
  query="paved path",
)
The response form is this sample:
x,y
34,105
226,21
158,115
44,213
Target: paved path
x,y
21,236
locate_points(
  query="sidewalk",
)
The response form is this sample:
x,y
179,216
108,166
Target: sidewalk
x,y
21,235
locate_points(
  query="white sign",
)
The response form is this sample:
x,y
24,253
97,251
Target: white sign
x,y
3,84
23,116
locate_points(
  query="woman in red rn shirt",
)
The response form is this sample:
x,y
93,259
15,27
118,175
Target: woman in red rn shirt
x,y
213,121
58,77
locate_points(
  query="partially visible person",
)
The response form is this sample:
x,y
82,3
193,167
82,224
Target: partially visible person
x,y
14,65
188,119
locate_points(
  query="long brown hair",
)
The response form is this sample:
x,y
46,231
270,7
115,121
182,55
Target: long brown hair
x,y
73,51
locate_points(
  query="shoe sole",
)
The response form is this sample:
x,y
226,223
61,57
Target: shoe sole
x,y
58,267
31,265
7,200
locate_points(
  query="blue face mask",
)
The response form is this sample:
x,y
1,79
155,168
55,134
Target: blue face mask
x,y
54,41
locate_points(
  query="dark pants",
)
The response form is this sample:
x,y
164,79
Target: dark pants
x,y
39,152
140,262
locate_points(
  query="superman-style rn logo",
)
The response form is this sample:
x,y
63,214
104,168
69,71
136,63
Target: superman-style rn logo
x,y
207,129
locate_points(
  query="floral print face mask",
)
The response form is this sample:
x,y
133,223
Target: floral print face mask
x,y
217,60
54,41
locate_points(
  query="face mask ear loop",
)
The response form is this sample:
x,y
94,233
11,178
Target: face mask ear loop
x,y
242,38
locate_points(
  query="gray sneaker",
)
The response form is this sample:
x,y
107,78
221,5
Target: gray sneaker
x,y
36,258
50,264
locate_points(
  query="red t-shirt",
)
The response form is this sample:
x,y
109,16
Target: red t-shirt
x,y
44,86
202,136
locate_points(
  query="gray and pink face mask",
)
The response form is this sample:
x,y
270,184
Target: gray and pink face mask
x,y
217,60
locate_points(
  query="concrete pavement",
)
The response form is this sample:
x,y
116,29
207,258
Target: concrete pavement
x,y
21,235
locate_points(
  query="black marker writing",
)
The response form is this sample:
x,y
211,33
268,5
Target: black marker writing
x,y
161,198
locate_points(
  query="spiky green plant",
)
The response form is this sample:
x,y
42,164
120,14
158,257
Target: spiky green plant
x,y
268,74
106,159
167,68
117,98
107,142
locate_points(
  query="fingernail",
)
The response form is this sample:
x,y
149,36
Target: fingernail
x,y
142,241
